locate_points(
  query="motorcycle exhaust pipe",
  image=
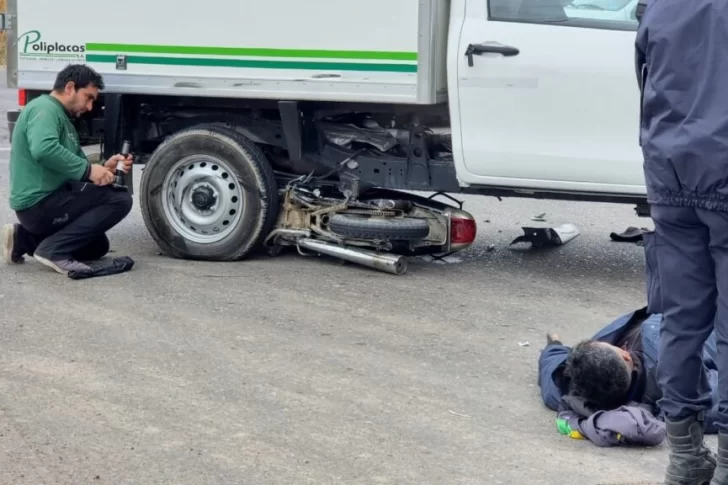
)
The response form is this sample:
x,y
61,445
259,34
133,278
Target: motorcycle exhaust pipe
x,y
389,263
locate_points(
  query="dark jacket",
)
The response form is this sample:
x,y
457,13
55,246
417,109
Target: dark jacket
x,y
682,65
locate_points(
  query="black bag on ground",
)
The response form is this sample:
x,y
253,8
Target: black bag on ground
x,y
117,265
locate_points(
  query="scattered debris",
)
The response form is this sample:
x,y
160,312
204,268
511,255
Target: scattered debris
x,y
491,247
631,234
539,218
458,414
548,236
525,343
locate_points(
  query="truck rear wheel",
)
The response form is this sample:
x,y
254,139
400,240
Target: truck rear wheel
x,y
208,193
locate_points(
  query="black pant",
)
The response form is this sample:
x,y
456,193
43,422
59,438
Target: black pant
x,y
691,252
72,222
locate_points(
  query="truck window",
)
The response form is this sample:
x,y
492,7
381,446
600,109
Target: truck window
x,y
595,14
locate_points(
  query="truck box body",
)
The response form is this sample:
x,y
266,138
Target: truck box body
x,y
378,51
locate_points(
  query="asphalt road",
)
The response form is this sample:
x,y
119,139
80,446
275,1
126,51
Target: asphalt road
x,y
294,370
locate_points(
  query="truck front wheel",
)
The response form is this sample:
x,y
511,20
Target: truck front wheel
x,y
208,193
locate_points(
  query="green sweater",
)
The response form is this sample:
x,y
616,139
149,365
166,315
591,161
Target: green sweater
x,y
45,153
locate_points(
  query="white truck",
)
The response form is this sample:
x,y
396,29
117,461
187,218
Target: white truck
x,y
266,123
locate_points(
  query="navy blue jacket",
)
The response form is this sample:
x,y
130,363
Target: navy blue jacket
x,y
553,357
682,65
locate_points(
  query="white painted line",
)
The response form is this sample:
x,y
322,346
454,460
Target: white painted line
x,y
4,149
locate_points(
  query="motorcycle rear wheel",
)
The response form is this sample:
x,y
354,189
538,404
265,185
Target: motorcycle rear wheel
x,y
358,226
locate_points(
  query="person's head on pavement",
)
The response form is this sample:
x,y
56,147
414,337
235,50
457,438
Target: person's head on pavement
x,y
77,87
600,373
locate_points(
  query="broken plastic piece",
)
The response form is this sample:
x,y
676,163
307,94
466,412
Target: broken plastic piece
x,y
548,236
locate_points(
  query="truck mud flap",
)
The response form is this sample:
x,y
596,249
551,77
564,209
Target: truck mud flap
x,y
12,117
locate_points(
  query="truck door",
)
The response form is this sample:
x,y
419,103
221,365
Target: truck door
x,y
546,95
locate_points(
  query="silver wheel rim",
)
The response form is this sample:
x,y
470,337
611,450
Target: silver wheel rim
x,y
202,199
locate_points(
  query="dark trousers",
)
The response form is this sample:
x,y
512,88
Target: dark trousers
x,y
72,222
691,252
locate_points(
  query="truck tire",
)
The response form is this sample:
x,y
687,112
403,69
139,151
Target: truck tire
x,y
383,228
208,193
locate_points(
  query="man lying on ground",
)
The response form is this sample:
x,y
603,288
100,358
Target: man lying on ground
x,y
614,368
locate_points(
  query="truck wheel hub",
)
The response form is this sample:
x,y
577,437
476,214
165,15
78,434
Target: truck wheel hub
x,y
203,201
203,198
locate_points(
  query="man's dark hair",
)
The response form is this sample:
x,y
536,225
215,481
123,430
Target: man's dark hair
x,y
598,374
81,75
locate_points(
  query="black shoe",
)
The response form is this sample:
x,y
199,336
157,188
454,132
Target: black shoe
x,y
691,463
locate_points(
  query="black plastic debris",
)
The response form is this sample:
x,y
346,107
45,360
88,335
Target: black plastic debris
x,y
631,234
548,236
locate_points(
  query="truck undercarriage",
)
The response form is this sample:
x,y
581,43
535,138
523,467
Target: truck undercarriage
x,y
223,176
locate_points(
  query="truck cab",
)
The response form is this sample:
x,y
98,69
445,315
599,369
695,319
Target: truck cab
x,y
557,110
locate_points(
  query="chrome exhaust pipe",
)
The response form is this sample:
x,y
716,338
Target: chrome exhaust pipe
x,y
389,263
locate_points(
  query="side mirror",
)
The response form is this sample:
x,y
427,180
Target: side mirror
x,y
639,10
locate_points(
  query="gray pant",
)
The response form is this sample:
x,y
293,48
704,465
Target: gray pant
x,y
691,255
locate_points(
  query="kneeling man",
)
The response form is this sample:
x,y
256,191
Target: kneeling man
x,y
64,204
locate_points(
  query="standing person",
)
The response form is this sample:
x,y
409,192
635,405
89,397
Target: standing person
x,y
65,204
682,63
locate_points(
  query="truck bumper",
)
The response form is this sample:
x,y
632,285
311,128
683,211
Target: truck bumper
x,y
12,116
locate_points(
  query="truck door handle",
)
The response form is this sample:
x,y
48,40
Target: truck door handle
x,y
494,47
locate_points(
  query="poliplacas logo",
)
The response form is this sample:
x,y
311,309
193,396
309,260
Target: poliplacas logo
x,y
32,44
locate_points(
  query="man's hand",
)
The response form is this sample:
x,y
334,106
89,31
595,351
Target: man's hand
x,y
100,175
113,161
552,338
